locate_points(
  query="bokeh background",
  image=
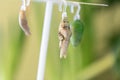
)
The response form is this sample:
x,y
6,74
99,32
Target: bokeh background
x,y
96,58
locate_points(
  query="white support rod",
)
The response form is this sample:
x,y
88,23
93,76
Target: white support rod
x,y
44,42
85,3
71,2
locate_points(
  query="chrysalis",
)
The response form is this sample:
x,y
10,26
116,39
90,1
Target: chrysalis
x,y
77,28
23,22
64,36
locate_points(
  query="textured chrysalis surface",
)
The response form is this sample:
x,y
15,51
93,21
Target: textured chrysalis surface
x,y
23,22
77,28
64,36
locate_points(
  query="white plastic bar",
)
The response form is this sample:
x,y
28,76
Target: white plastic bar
x,y
44,42
94,4
71,2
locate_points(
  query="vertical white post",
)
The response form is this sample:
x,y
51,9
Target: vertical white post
x,y
44,42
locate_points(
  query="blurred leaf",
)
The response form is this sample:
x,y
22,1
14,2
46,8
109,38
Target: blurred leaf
x,y
114,43
16,42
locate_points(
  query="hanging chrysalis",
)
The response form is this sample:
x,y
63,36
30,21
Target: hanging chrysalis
x,y
77,28
23,22
22,19
64,35
77,32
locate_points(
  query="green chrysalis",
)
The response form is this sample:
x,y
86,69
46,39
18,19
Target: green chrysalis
x,y
77,28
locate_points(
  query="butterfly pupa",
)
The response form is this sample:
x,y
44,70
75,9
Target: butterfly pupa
x,y
77,29
23,22
64,35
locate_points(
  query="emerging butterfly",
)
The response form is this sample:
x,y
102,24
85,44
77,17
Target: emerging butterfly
x,y
64,35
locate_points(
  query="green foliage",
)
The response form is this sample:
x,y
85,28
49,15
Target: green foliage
x,y
114,44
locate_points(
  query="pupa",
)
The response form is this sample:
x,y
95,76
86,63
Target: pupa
x,y
23,22
64,34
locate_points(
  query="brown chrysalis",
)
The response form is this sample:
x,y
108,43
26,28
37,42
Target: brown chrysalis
x,y
64,35
23,22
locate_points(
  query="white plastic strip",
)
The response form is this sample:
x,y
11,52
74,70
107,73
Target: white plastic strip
x,y
85,3
71,2
45,39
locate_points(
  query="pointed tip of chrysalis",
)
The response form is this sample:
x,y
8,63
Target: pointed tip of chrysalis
x,y
63,56
60,57
27,33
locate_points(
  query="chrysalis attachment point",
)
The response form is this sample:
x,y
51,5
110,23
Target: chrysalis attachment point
x,y
77,15
72,8
64,35
22,17
60,7
27,2
23,8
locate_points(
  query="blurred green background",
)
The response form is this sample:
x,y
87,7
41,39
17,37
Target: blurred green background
x,y
96,58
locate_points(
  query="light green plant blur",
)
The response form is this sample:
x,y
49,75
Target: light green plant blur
x,y
96,58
